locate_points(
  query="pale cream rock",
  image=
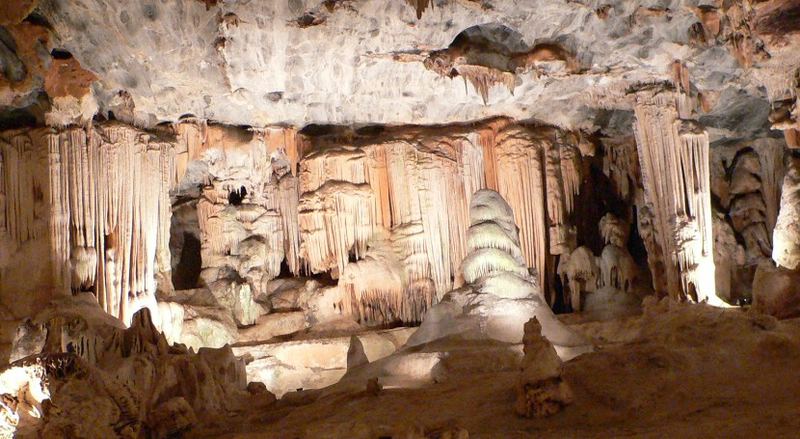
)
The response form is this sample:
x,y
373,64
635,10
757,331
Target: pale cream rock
x,y
786,237
272,325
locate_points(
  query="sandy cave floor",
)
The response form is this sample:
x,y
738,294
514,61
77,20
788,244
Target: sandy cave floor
x,y
685,371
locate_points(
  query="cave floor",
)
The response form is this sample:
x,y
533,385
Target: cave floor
x,y
680,371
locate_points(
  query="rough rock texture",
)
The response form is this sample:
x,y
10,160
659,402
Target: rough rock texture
x,y
313,361
129,382
284,62
786,237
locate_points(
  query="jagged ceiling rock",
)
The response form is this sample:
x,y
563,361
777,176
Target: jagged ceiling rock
x,y
355,61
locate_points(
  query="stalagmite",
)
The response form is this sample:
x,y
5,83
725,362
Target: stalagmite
x,y
617,267
541,391
118,380
680,200
728,255
500,294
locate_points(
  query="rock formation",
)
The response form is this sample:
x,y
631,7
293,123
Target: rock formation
x,y
500,292
786,237
681,203
541,390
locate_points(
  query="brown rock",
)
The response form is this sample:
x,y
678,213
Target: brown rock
x,y
776,291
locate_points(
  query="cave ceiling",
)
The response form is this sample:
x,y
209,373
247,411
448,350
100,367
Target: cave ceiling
x,y
298,62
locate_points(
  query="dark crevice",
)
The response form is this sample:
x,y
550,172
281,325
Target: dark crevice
x,y
187,272
60,54
236,196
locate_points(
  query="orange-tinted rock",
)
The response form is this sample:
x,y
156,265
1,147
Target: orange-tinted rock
x,y
14,11
29,39
66,77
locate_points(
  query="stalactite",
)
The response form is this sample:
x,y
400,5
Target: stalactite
x,y
336,210
519,170
580,274
420,6
189,147
621,165
786,237
21,181
770,155
484,78
378,290
108,220
285,140
288,204
680,199
408,183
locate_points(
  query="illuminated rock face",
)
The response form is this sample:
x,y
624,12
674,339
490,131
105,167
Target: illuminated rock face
x,y
786,237
680,200
99,199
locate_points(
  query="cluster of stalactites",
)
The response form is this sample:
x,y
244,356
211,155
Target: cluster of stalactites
x,y
484,78
110,213
539,176
621,165
420,6
251,194
673,154
336,214
417,192
196,137
23,188
380,289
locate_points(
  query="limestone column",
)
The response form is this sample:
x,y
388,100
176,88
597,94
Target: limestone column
x,y
673,154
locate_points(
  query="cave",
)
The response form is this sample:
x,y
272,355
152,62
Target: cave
x,y
399,219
